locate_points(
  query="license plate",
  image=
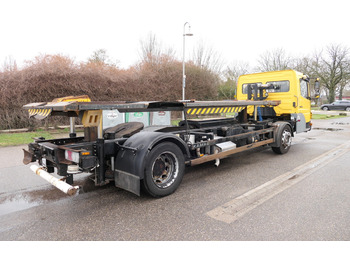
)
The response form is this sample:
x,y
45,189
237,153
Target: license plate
x,y
43,161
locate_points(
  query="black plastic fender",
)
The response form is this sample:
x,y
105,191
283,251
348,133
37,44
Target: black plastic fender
x,y
278,132
132,156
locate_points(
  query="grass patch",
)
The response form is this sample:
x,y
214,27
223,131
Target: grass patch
x,y
175,122
14,139
323,116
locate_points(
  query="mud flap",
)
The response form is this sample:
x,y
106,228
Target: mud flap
x,y
126,181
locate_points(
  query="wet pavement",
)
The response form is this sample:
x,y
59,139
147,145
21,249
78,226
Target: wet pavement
x,y
38,195
20,188
19,191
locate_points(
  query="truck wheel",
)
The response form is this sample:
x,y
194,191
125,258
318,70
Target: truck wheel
x,y
164,170
286,140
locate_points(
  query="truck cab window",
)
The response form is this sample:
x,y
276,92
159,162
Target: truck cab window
x,y
245,87
283,86
304,88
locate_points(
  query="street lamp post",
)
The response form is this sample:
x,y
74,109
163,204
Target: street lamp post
x,y
183,61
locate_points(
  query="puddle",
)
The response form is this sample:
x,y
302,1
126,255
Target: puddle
x,y
340,123
297,140
327,129
15,204
22,200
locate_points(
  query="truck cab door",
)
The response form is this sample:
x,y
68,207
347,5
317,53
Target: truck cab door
x,y
304,106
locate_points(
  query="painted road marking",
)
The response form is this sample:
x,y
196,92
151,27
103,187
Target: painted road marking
x,y
241,205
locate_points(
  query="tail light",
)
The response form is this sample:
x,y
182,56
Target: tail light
x,y
72,156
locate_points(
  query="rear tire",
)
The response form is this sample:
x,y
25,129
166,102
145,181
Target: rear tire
x,y
325,108
347,109
164,170
285,141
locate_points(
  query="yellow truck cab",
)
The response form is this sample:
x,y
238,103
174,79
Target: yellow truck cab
x,y
288,86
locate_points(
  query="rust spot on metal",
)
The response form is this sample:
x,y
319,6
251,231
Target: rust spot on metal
x,y
28,157
72,191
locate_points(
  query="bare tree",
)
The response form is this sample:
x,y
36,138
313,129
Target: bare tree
x,y
227,90
9,64
100,56
304,65
343,85
206,57
237,69
275,60
332,67
152,51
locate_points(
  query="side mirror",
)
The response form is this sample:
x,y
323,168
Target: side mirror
x,y
317,88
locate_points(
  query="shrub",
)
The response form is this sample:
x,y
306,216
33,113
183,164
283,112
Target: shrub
x,y
51,76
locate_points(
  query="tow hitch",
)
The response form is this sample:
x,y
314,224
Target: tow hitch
x,y
61,185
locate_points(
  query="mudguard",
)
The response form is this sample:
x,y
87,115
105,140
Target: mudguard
x,y
132,156
300,122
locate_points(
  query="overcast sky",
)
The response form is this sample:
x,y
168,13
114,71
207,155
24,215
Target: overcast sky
x,y
238,30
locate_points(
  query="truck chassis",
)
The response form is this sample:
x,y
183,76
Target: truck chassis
x,y
153,158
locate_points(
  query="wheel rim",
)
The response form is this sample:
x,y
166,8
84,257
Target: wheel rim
x,y
347,109
165,169
286,139
325,108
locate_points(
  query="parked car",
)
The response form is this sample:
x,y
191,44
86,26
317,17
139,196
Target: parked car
x,y
337,105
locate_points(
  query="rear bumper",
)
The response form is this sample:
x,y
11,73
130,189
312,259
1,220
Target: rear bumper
x,y
58,183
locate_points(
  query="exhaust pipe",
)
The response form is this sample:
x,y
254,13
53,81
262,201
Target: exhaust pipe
x,y
61,185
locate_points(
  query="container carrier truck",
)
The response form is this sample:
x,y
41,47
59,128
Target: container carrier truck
x,y
270,108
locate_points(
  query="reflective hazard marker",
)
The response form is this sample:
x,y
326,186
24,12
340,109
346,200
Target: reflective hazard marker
x,y
39,113
214,110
